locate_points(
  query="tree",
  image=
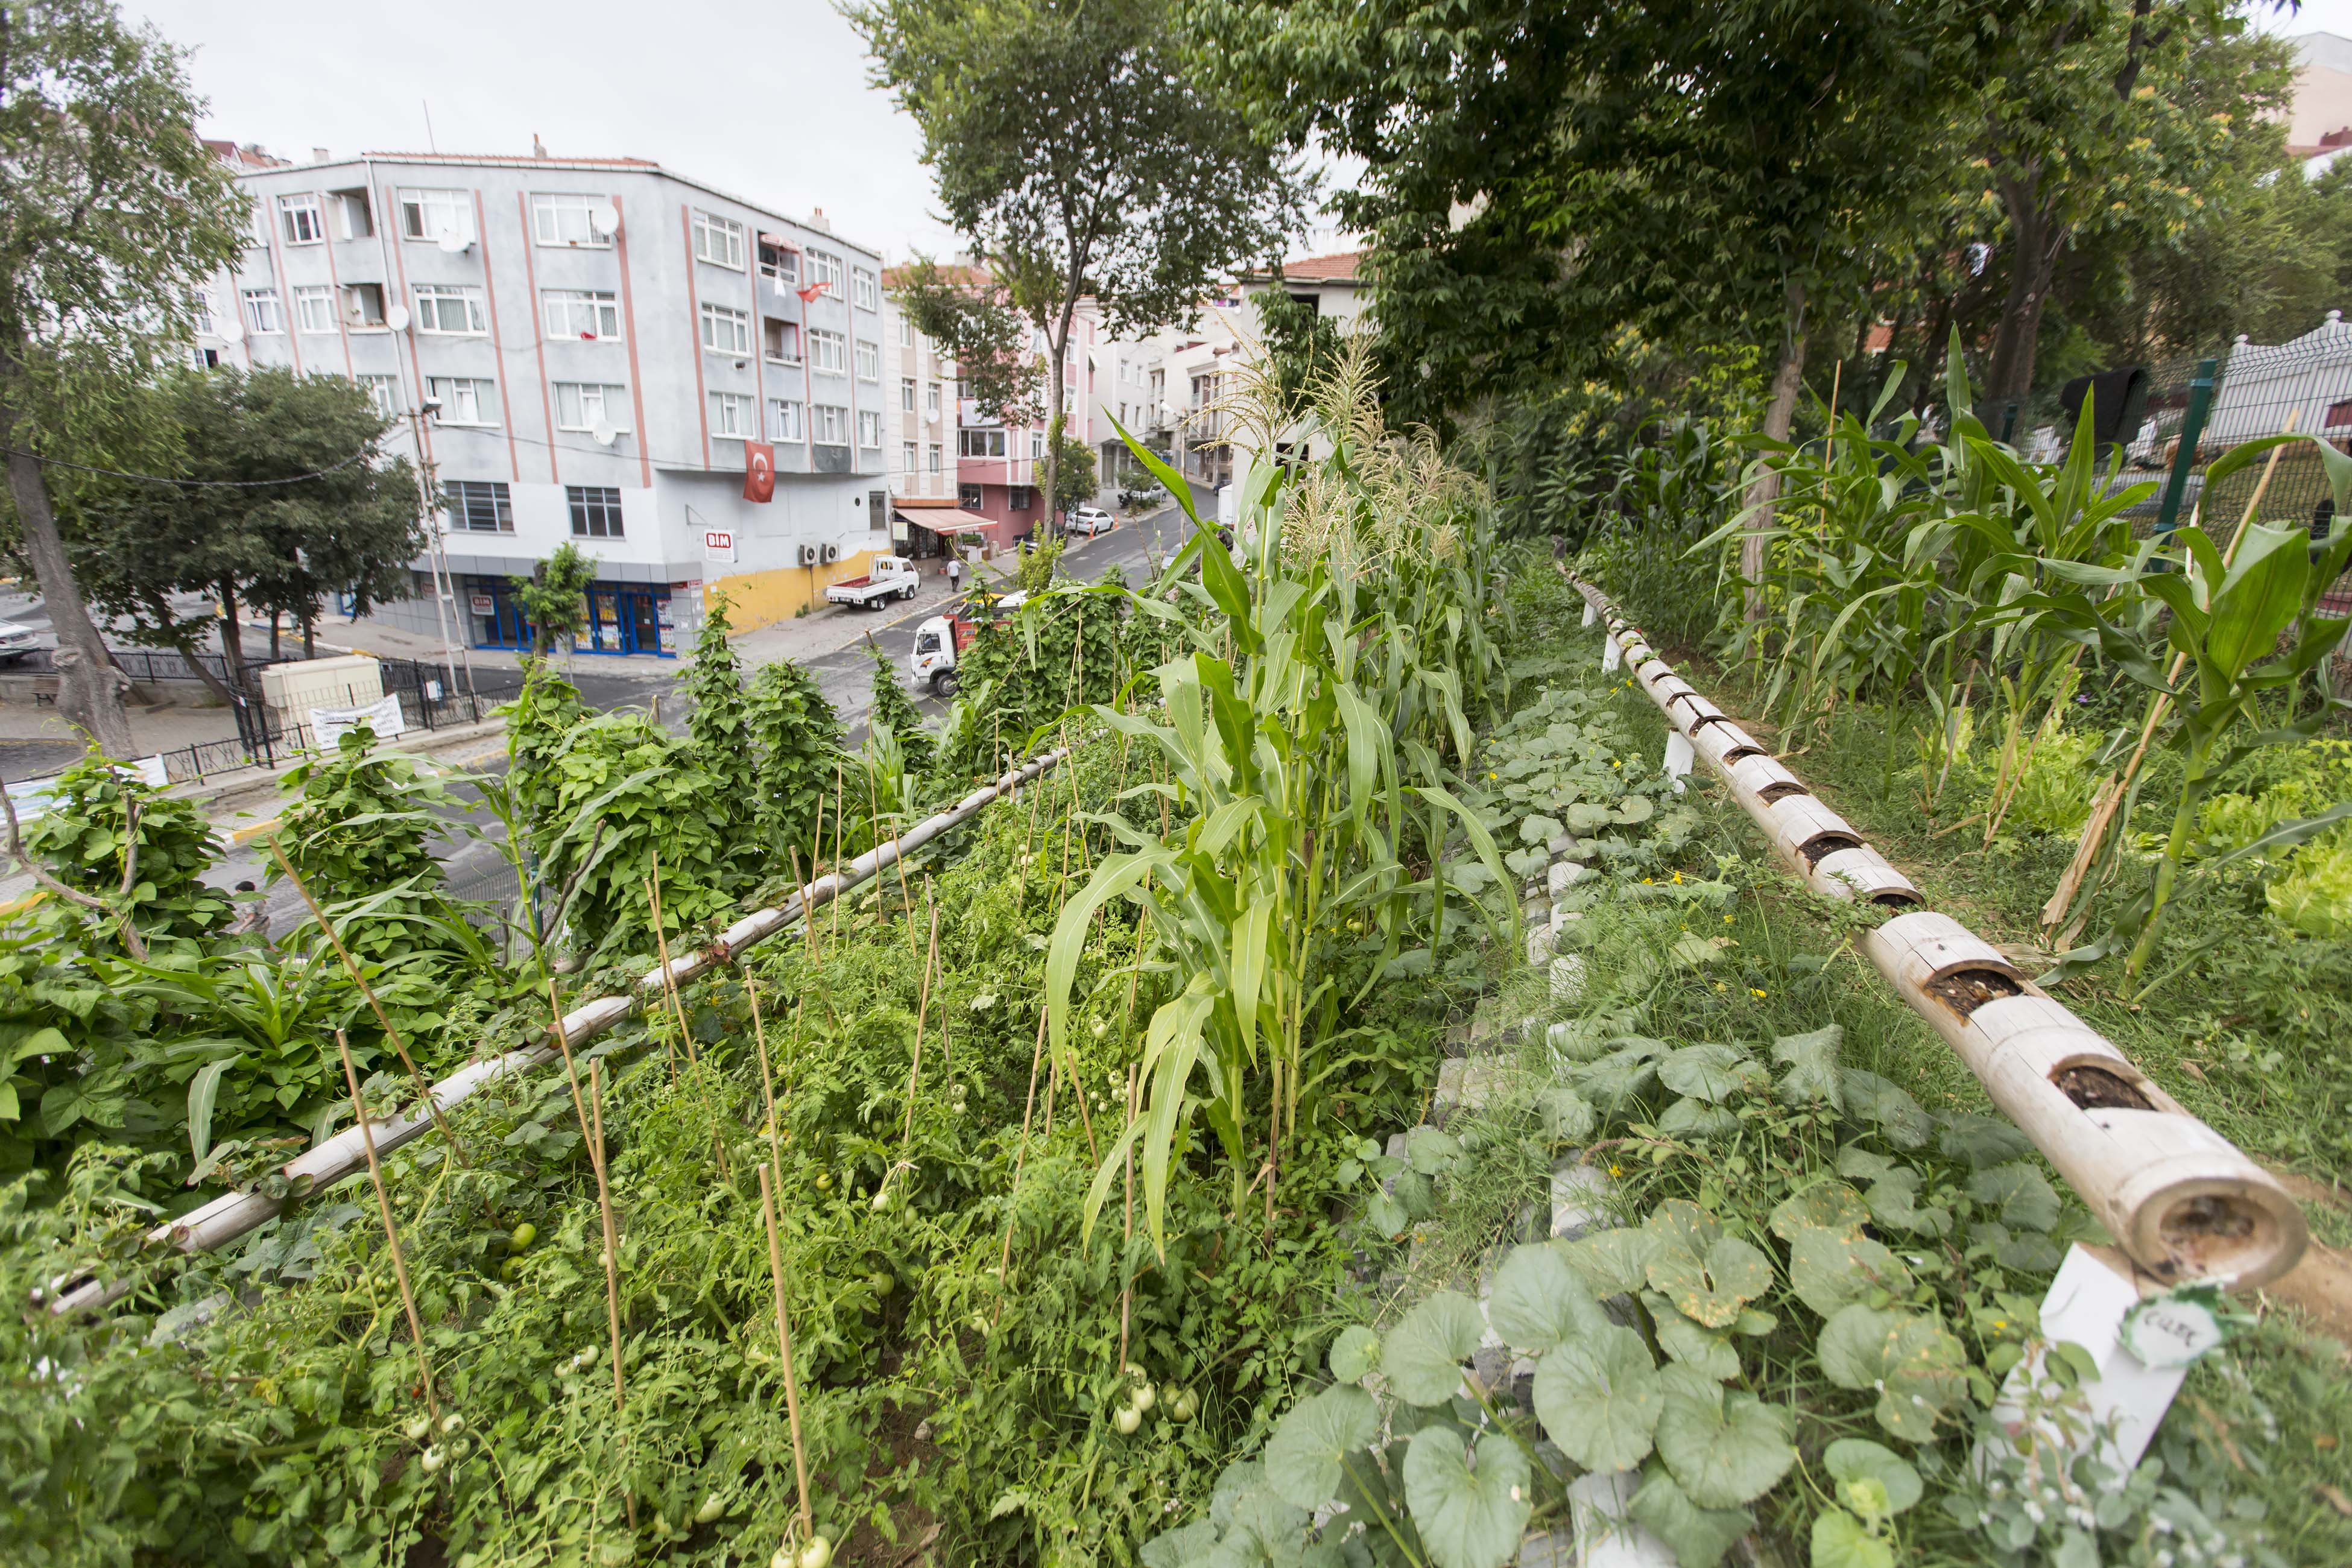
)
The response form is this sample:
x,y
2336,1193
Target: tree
x,y
962,308
554,597
800,745
1075,148
242,527
112,216
1074,476
719,723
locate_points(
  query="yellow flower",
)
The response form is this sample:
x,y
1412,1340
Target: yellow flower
x,y
1759,996
1720,985
1614,1171
1679,878
1727,919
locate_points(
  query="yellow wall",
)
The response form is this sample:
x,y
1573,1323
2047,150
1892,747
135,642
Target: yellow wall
x,y
758,599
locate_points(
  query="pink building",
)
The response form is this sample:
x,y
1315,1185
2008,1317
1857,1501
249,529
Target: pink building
x,y
1001,468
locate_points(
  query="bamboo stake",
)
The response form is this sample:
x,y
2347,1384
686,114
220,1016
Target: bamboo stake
x,y
1028,837
661,946
923,1013
612,1235
808,910
835,936
784,1345
423,1088
2094,831
906,899
391,1230
1126,1287
1020,1155
767,1077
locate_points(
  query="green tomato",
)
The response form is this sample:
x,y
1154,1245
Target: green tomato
x,y
1184,1407
882,1282
816,1553
1141,1398
823,1184
522,1235
510,1270
712,1507
1127,1419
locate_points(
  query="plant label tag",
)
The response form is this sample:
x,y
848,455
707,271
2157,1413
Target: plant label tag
x,y
1680,754
1612,655
2172,1330
1590,614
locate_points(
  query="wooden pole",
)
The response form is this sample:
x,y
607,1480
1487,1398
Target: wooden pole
x,y
767,1077
835,936
423,1089
784,1345
612,1232
1020,1155
661,946
1126,1287
808,909
905,899
390,1230
922,1013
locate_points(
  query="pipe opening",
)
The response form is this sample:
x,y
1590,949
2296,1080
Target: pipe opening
x,y
1966,990
2206,1218
1897,899
2096,1089
1704,719
1773,792
1821,846
1736,753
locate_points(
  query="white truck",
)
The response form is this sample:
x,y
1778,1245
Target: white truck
x,y
891,577
939,641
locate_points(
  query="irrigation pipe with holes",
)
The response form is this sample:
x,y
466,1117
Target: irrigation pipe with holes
x,y
233,1215
2182,1201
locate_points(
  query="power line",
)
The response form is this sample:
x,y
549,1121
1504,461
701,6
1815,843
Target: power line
x,y
191,484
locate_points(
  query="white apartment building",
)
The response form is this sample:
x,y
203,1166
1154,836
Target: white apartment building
x,y
595,349
923,423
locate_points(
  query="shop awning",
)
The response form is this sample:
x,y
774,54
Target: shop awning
x,y
943,520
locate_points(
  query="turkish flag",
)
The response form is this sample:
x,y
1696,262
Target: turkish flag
x,y
759,472
809,295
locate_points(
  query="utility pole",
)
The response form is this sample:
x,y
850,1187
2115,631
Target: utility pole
x,y
443,593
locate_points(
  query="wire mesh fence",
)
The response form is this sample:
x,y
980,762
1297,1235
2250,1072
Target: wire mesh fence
x,y
266,741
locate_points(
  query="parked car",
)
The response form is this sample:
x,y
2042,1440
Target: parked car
x,y
17,641
1091,520
891,577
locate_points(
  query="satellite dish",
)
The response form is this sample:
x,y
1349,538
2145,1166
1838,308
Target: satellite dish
x,y
396,318
605,219
229,329
450,240
602,433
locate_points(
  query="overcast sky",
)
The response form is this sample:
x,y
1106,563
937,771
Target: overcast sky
x,y
767,102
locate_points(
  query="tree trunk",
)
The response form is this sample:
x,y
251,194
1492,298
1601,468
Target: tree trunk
x,y
1054,416
2035,237
90,687
310,633
1779,417
232,638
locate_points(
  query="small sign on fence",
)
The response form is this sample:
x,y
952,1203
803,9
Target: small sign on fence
x,y
329,725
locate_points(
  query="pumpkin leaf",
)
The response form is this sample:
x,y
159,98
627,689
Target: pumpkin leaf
x,y
1712,1073
1893,1200
1354,1353
1827,1269
1422,1355
1824,1206
1430,1150
1853,1458
1303,1456
1918,1368
1982,1140
1726,1451
1812,1060
1698,1537
1895,1113
1613,1262
2023,1195
1467,1519
1696,1119
1710,1288
1568,1116
1842,1541
1598,1398
1538,831
1540,1302
1709,1354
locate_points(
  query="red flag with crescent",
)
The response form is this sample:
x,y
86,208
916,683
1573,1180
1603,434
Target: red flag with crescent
x,y
759,472
809,295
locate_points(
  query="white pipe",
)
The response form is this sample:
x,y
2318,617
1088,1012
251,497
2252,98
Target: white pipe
x,y
2179,1199
233,1215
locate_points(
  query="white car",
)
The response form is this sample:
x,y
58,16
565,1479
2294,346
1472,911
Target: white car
x,y
1091,520
15,642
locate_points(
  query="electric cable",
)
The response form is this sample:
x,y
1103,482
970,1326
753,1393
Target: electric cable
x,y
191,484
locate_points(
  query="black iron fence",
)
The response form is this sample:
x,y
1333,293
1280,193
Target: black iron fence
x,y
264,742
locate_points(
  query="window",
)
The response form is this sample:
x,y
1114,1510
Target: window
x,y
430,215
478,506
203,359
824,266
869,361
784,420
719,240
451,308
364,306
936,454
870,429
264,312
354,218
932,401
463,400
980,443
584,405
827,351
595,510
591,313
301,220
2338,414
831,424
1020,497
906,457
864,292
199,313
732,417
314,310
1036,445
906,393
906,332
780,262
384,391
780,340
561,218
726,332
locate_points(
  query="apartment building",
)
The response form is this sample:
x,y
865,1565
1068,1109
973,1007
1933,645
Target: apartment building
x,y
686,385
921,384
1001,467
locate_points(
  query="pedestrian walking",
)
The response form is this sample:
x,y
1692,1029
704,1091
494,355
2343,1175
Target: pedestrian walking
x,y
955,573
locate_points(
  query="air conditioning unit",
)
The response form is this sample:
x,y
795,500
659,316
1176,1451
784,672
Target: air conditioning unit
x,y
832,553
805,554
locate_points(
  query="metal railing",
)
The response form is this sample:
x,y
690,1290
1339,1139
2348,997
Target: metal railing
x,y
266,742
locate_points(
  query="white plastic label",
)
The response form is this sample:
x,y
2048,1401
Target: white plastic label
x,y
2171,1329
1612,655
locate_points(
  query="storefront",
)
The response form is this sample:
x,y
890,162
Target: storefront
x,y
623,617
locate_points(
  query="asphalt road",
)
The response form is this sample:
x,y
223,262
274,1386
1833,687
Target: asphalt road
x,y
472,862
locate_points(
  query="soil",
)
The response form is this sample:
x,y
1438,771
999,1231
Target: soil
x,y
1779,792
1966,990
1817,849
2096,1089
